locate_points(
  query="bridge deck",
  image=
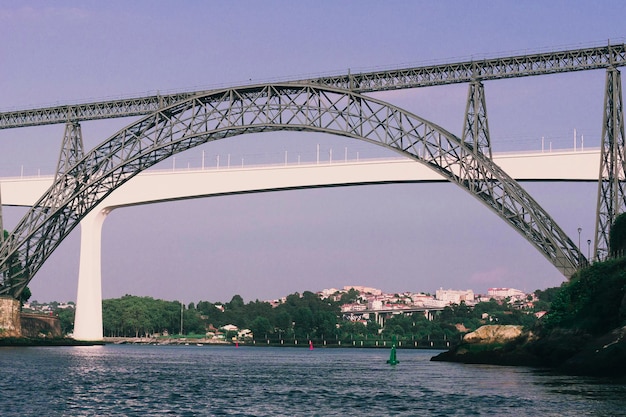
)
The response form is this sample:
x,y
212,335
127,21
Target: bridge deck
x,y
155,186
450,73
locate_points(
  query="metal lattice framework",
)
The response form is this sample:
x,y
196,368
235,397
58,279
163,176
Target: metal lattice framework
x,y
612,182
265,108
461,72
475,126
72,148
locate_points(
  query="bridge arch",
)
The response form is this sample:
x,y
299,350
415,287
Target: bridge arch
x,y
264,108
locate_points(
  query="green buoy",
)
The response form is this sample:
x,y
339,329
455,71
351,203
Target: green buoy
x,y
392,356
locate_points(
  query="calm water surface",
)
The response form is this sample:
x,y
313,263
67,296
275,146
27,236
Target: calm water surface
x,y
126,380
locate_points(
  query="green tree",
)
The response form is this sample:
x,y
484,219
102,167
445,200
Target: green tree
x,y
260,327
617,236
15,273
303,319
66,319
373,328
25,296
592,300
235,303
349,297
283,321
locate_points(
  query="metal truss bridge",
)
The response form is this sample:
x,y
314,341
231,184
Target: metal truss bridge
x,y
611,56
334,105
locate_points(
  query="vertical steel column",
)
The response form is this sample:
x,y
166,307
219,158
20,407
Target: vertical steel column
x,y
1,224
475,126
611,183
72,149
2,275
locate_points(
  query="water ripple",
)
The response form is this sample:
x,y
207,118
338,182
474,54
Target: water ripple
x,y
227,381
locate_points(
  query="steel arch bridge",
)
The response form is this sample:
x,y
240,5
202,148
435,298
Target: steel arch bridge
x,y
81,185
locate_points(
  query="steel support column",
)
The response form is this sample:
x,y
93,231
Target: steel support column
x,y
475,126
72,148
611,185
1,223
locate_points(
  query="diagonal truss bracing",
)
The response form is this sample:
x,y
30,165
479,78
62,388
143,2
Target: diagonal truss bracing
x,y
612,181
384,80
475,126
265,108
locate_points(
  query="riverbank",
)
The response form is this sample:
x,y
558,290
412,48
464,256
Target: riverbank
x,y
562,350
27,341
383,344
163,341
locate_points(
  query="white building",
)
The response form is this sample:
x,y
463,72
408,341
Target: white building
x,y
503,293
455,296
374,304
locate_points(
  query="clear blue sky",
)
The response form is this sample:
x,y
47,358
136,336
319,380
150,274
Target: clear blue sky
x,y
394,237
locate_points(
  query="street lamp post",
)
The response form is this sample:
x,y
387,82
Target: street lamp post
x,y
589,250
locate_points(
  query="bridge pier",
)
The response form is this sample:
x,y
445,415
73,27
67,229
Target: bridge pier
x,y
612,181
10,320
475,126
88,318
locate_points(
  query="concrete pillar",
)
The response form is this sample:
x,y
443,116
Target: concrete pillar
x,y
88,319
10,321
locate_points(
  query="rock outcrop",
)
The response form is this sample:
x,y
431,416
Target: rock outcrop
x,y
492,344
564,350
603,356
493,334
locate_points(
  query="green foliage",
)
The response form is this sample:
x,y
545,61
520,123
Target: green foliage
x,y
140,316
592,300
302,316
349,297
25,296
547,295
261,326
617,236
16,273
545,298
66,319
305,316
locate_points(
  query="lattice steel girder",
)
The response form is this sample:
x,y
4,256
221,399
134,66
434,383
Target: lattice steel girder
x,y
265,108
480,69
475,126
72,147
1,221
612,182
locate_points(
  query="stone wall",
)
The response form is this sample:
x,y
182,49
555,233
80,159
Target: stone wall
x,y
10,320
38,325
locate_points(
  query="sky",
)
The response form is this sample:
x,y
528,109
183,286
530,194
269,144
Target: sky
x,y
411,237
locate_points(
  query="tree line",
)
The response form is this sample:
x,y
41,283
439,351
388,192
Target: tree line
x,y
303,316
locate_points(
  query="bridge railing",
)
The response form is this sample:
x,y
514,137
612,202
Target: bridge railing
x,y
216,161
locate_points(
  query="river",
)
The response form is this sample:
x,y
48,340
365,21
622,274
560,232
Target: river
x,y
140,380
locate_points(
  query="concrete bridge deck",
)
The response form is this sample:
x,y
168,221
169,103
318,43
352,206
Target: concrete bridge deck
x,y
168,185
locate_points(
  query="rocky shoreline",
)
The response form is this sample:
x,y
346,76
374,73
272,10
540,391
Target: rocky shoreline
x,y
565,351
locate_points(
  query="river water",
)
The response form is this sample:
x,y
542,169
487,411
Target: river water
x,y
134,380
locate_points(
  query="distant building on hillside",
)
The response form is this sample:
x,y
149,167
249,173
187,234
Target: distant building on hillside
x,y
375,304
455,296
504,293
328,292
363,290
